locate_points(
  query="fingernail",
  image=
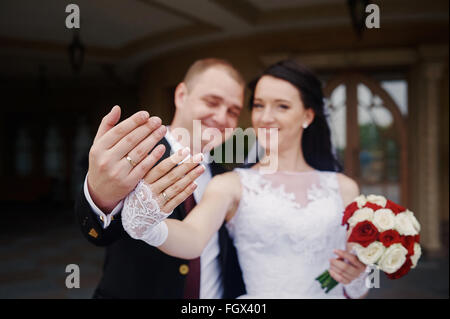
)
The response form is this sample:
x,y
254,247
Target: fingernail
x,y
194,185
154,121
145,115
200,168
197,158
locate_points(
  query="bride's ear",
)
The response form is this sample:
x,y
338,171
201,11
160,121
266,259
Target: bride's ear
x,y
309,116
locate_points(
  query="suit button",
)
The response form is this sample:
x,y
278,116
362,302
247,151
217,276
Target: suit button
x,y
93,233
184,269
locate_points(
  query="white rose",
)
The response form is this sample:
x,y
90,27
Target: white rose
x,y
360,201
384,219
379,200
416,256
413,220
393,258
361,215
370,254
404,225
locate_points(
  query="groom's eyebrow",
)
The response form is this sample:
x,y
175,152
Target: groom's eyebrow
x,y
214,97
218,98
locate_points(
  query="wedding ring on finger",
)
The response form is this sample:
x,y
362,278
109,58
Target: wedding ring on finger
x,y
165,197
132,163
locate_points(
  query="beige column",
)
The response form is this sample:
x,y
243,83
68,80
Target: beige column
x,y
429,199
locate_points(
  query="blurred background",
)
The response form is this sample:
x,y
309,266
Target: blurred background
x,y
387,94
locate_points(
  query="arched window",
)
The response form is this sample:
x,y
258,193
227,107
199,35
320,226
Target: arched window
x,y
369,132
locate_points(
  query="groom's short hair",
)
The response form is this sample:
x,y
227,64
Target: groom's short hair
x,y
200,66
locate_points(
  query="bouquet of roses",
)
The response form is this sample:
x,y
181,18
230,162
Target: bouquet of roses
x,y
383,235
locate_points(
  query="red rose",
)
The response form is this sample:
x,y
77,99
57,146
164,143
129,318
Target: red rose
x,y
408,243
349,211
396,209
390,237
364,233
402,271
373,206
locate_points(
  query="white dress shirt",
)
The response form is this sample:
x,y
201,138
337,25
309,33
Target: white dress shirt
x,y
210,273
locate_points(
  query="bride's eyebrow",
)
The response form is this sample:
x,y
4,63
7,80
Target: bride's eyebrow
x,y
283,101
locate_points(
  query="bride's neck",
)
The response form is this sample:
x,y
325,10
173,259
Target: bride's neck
x,y
292,159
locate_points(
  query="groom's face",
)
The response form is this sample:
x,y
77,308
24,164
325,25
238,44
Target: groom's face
x,y
215,99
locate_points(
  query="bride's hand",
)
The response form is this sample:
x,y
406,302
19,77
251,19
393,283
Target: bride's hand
x,y
346,267
170,182
163,188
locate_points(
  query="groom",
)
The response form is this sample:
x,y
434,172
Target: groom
x,y
212,92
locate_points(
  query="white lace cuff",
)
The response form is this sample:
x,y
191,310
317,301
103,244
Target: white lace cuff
x,y
358,287
158,235
142,216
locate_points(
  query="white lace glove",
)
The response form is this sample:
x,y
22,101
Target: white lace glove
x,y
142,217
357,287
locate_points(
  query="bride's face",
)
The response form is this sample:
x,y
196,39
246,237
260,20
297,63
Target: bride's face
x,y
277,104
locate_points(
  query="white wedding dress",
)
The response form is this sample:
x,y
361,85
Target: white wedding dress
x,y
285,230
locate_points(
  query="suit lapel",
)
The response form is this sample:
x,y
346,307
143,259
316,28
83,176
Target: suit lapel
x,y
166,152
217,169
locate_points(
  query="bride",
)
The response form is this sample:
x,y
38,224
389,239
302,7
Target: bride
x,y
286,225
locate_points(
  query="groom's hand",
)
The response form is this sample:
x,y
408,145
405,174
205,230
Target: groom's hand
x,y
111,176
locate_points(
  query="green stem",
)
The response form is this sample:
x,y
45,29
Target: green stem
x,y
323,276
326,281
333,283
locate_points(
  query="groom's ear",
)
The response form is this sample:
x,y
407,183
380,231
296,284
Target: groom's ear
x,y
181,94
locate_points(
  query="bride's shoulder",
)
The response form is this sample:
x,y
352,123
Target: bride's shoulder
x,y
348,187
228,177
227,182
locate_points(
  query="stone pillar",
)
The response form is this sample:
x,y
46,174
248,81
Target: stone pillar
x,y
428,191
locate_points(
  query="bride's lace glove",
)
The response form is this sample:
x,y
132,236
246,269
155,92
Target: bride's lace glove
x,y
142,216
163,188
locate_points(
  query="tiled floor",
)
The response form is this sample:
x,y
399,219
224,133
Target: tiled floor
x,y
34,254
33,264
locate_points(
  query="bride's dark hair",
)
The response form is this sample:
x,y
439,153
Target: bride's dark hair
x,y
316,140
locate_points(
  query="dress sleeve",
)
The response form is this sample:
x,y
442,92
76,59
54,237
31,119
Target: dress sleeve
x,y
358,287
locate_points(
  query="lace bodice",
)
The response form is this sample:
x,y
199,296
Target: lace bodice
x,y
285,230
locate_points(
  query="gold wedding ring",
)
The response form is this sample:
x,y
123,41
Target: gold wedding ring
x,y
132,163
165,197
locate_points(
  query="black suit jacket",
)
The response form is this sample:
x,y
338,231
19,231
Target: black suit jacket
x,y
134,269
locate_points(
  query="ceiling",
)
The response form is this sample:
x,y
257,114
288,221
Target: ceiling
x,y
127,33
